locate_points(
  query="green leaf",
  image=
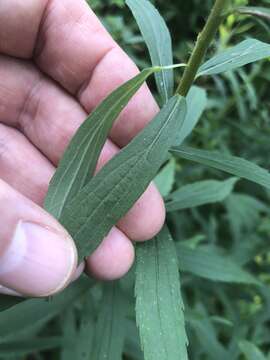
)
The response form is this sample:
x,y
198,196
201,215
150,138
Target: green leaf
x,y
84,340
200,193
69,330
230,164
207,335
132,346
237,93
246,52
110,330
7,301
113,191
30,312
250,89
165,179
251,351
210,264
28,346
244,213
79,161
259,11
159,306
158,41
196,104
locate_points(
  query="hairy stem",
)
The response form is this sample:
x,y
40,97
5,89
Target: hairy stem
x,y
204,40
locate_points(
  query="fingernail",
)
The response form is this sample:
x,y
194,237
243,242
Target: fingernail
x,y
39,261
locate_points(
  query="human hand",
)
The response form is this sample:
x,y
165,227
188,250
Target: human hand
x,y
57,63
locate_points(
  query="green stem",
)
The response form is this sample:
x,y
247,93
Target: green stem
x,y
204,40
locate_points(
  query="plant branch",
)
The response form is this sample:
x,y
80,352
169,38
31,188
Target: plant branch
x,y
204,40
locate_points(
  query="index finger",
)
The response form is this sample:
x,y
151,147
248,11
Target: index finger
x,y
69,43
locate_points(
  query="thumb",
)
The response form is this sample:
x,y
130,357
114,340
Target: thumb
x,y
37,256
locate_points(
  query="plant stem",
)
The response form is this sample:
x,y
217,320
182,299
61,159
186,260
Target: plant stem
x,y
204,40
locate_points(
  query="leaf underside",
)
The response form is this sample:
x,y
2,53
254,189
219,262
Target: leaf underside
x,y
78,164
113,191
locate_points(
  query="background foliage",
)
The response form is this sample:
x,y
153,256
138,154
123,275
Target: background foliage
x,y
221,315
223,247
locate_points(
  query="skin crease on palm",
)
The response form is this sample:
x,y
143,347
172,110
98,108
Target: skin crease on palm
x,y
57,63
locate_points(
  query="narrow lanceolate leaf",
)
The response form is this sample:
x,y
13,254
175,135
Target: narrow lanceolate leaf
x,y
246,52
165,179
30,312
259,11
200,193
158,40
196,104
251,351
110,331
211,265
79,161
113,191
159,306
230,164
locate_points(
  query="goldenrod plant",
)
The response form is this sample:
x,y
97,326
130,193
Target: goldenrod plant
x,y
200,289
